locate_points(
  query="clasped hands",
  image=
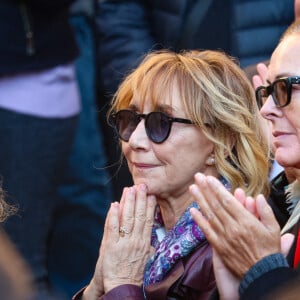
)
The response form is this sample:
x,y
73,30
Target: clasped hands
x,y
126,243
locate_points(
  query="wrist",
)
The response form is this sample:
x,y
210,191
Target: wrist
x,y
92,292
111,285
263,266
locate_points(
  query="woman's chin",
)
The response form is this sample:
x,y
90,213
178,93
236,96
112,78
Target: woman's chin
x,y
288,162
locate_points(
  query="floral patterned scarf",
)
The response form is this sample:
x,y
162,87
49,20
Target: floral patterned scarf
x,y
177,243
181,240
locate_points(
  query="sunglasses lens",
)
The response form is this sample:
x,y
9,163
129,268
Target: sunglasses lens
x,y
158,127
280,92
126,122
261,96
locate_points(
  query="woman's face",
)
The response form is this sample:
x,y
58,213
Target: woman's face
x,y
168,168
285,121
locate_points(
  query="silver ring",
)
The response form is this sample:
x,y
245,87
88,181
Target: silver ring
x,y
123,231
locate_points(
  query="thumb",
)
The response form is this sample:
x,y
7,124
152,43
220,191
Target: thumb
x,y
286,243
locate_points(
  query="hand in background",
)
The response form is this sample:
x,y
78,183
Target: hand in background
x,y
261,77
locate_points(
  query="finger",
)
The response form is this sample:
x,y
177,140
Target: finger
x,y
261,78
151,204
122,200
240,195
250,206
286,243
262,70
105,230
257,81
125,189
209,205
196,190
232,208
266,214
112,224
127,216
140,209
204,225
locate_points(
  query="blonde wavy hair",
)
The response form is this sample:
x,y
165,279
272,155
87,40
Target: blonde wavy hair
x,y
215,91
6,209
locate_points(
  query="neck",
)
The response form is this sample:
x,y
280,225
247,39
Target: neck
x,y
172,210
292,174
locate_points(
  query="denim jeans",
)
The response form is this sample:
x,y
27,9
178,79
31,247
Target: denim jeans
x,y
33,155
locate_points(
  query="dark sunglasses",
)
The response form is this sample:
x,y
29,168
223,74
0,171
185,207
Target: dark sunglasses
x,y
157,124
280,89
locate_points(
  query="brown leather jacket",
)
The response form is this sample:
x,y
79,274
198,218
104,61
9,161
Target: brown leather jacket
x,y
191,278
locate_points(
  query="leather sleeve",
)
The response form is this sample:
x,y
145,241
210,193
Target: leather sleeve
x,y
124,292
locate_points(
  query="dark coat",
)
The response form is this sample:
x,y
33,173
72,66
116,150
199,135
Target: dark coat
x,y
246,29
128,29
35,35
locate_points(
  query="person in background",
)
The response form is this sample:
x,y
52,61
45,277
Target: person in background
x,y
85,188
280,178
175,114
16,282
260,259
128,29
39,107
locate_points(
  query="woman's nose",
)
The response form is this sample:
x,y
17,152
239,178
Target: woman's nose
x,y
139,138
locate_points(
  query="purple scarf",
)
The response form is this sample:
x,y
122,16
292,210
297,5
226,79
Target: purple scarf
x,y
181,240
177,243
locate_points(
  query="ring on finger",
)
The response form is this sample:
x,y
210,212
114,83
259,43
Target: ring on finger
x,y
123,231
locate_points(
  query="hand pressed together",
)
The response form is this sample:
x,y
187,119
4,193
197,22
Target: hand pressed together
x,y
126,243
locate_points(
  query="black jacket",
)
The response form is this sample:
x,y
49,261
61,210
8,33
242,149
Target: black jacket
x,y
127,29
34,35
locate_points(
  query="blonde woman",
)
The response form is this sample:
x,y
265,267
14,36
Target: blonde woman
x,y
175,115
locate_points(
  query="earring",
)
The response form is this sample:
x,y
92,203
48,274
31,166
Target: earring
x,y
211,161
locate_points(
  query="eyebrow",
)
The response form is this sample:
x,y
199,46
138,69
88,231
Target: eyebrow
x,y
133,107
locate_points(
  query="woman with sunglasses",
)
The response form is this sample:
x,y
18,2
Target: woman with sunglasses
x,y
263,258
175,115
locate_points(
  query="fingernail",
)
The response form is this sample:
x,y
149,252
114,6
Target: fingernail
x,y
193,188
199,177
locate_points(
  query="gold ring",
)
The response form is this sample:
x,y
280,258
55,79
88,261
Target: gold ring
x,y
123,231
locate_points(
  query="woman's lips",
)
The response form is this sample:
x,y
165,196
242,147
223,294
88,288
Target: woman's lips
x,y
143,165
